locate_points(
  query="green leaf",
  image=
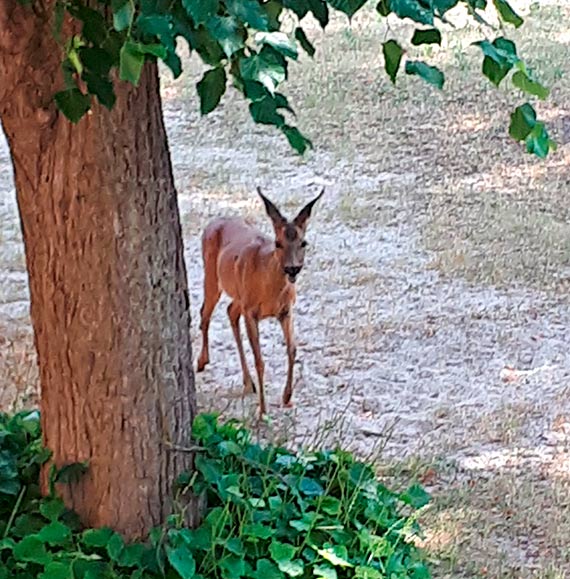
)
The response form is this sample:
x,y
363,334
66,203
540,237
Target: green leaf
x,y
72,103
507,13
304,41
233,567
204,427
55,533
431,36
281,552
349,7
226,30
526,84
250,12
182,560
100,87
383,8
538,141
495,71
257,531
131,63
234,546
392,57
415,496
123,12
32,550
211,88
280,42
115,547
296,139
523,119
310,487
200,10
411,9
71,473
97,537
96,60
56,570
52,509
294,568
336,555
324,572
265,569
331,505
264,68
428,73
320,11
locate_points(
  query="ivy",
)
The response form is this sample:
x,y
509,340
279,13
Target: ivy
x,y
270,514
246,40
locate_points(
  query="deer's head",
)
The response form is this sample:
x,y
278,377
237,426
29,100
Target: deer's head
x,y
290,241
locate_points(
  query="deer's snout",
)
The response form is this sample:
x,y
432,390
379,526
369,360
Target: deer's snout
x,y
292,272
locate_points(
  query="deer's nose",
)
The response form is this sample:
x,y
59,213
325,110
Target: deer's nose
x,y
292,271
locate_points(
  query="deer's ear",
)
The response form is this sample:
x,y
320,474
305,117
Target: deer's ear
x,y
272,211
303,217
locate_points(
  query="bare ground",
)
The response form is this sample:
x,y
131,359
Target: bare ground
x,y
433,317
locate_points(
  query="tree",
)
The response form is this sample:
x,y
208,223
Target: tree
x,y
109,297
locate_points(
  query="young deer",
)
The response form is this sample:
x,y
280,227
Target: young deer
x,y
258,274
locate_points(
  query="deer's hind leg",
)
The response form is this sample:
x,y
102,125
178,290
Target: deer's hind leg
x,y
212,293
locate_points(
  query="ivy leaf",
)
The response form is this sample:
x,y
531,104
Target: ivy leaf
x,y
320,11
383,7
251,12
52,509
507,13
500,57
233,567
304,41
101,87
200,10
182,560
431,36
281,552
265,569
131,63
311,487
538,142
72,103
392,57
264,68
211,89
280,42
294,568
521,80
115,547
349,7
411,9
429,73
57,570
324,572
523,120
123,12
299,142
415,496
336,555
97,537
227,32
55,533
32,550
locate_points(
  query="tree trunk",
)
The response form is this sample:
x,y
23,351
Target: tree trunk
x,y
109,295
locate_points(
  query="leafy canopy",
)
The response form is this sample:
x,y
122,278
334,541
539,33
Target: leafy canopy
x,y
270,514
251,42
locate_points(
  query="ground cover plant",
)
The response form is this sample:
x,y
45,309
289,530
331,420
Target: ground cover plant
x,y
269,513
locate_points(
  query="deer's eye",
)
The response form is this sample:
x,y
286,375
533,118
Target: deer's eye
x,y
304,243
278,245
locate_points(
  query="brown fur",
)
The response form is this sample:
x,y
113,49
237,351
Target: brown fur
x,y
258,274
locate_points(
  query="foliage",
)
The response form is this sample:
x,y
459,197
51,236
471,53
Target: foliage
x,y
252,42
271,514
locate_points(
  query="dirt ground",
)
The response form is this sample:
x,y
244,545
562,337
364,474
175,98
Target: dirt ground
x,y
433,315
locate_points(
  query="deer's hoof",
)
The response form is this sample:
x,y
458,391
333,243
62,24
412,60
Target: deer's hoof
x,y
288,404
201,365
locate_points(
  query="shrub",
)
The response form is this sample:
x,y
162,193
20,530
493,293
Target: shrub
x,y
270,514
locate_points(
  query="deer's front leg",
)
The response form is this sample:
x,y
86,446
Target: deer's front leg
x,y
252,328
287,326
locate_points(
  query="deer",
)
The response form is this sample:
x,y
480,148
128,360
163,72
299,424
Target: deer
x,y
258,274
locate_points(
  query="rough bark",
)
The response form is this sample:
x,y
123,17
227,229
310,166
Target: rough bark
x,y
109,296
